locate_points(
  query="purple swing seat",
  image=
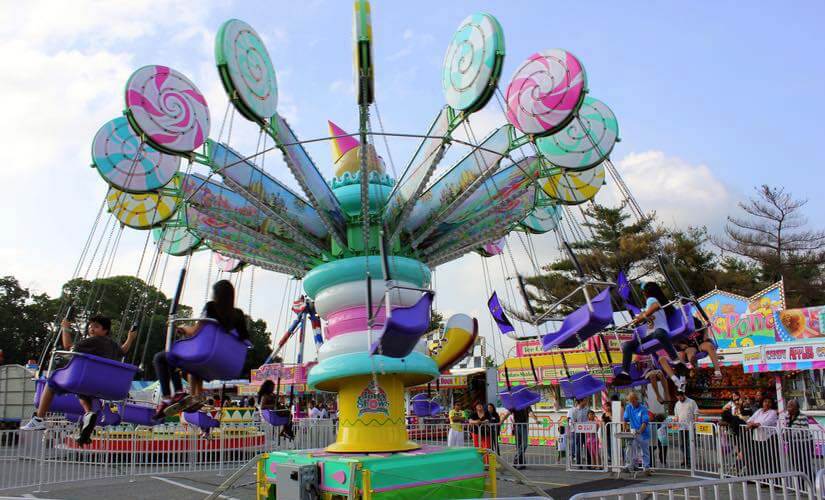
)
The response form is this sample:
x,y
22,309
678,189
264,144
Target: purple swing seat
x,y
518,397
581,385
678,329
272,417
200,419
107,418
68,404
403,328
96,377
131,413
211,354
423,406
637,377
582,323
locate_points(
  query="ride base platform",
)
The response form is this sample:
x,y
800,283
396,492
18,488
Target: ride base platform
x,y
431,472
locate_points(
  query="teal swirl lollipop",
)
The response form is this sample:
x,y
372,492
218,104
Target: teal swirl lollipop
x,y
246,70
584,142
473,63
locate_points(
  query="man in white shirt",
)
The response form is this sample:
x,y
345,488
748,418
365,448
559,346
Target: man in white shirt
x,y
575,415
685,411
314,411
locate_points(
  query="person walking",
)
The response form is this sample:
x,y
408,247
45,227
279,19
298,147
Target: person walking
x,y
685,413
637,417
521,421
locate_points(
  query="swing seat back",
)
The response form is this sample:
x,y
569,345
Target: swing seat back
x,y
211,354
582,323
423,406
131,413
67,404
637,377
107,418
679,327
96,377
519,397
273,418
581,385
404,328
200,419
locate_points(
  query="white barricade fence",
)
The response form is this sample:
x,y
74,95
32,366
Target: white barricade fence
x,y
37,458
820,484
587,447
665,446
784,485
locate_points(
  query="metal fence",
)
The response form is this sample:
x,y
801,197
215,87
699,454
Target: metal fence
x,y
37,458
785,485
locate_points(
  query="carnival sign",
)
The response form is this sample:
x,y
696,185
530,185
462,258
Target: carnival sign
x,y
784,357
738,321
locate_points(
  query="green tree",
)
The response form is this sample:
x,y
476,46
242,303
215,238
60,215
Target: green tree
x,y
773,234
26,321
261,347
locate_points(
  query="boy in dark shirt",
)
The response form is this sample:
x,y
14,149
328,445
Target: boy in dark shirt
x,y
98,343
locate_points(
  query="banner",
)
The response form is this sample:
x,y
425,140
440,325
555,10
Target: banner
x,y
800,324
498,314
790,356
738,321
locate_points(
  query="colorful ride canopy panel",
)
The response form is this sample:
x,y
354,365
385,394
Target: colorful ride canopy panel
x,y
229,208
545,92
444,195
293,211
423,164
473,62
570,187
498,194
127,163
586,141
143,210
246,70
504,199
310,179
167,108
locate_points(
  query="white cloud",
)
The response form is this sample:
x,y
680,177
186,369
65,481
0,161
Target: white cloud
x,y
680,192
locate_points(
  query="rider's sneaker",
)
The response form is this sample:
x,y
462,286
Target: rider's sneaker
x,y
165,404
621,378
87,428
35,424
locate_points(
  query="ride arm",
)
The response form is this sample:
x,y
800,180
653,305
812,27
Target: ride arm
x,y
66,334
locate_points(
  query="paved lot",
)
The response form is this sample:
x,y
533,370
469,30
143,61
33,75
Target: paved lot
x,y
559,483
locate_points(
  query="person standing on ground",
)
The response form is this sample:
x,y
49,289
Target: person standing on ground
x,y
495,426
479,428
636,415
607,418
685,412
762,424
521,421
455,436
800,441
578,415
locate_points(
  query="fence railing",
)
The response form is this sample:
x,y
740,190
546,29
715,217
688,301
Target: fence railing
x,y
786,484
37,458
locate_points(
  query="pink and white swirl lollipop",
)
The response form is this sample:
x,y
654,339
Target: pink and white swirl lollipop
x,y
545,92
167,108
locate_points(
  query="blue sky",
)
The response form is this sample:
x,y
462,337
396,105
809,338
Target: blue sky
x,y
712,99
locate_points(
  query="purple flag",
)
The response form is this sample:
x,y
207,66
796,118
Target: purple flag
x,y
498,314
624,286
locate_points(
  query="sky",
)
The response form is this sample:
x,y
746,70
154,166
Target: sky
x,y
712,98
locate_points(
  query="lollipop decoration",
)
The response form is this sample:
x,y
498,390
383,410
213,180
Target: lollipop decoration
x,y
586,141
473,63
167,108
572,187
142,211
127,163
227,264
246,70
175,240
545,92
542,219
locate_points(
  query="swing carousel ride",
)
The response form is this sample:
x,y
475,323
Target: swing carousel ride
x,y
364,243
